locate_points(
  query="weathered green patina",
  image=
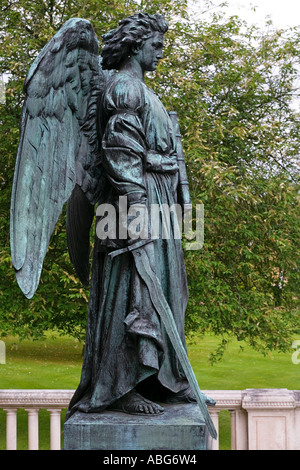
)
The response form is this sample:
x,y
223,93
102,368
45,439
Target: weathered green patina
x,y
92,134
180,427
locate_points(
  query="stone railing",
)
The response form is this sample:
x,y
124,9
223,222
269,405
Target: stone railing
x,y
32,401
261,419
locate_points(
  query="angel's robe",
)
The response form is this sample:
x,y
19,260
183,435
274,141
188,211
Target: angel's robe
x,y
127,345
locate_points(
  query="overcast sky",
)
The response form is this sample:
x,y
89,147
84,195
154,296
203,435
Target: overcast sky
x,y
284,13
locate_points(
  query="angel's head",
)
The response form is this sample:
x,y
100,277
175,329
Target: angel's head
x,y
132,38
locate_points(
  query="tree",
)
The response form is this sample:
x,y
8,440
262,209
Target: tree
x,y
236,94
234,88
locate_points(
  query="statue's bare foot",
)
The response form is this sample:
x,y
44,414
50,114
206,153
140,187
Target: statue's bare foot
x,y
134,403
188,396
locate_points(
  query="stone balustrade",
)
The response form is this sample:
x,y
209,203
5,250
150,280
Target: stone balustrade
x,y
261,419
32,401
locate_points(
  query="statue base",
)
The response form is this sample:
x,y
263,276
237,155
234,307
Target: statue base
x,y
180,427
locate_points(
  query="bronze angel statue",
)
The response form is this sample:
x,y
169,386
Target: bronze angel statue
x,y
91,133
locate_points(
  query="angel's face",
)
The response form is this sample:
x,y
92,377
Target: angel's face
x,y
151,52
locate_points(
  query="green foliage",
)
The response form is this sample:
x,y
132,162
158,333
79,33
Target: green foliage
x,y
234,88
235,93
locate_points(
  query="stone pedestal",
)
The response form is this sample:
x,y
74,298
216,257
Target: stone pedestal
x,y
271,419
180,427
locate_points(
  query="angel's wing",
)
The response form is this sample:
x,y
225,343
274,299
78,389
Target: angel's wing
x,y
58,146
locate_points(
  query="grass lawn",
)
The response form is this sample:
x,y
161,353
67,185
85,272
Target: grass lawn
x,y
55,363
242,369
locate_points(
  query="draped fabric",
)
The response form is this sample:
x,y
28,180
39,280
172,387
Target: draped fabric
x,y
126,344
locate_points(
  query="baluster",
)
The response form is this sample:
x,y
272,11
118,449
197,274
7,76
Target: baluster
x,y
214,413
33,428
11,428
55,429
233,428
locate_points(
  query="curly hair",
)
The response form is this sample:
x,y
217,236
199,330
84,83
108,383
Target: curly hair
x,y
131,32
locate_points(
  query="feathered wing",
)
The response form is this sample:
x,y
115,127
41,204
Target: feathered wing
x,y
58,147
